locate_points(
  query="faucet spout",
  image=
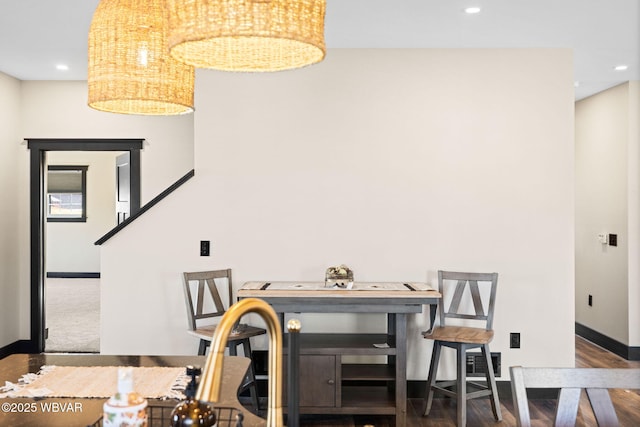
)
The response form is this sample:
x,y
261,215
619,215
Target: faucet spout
x,y
209,388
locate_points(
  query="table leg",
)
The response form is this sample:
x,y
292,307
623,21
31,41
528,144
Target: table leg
x,y
433,309
401,369
391,341
293,379
391,328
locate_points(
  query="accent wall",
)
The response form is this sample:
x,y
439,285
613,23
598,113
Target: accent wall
x,y
396,162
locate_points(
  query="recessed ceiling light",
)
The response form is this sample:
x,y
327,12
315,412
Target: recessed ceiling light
x,y
62,67
576,83
620,67
472,10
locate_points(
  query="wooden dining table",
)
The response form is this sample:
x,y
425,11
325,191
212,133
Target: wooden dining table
x,y
71,411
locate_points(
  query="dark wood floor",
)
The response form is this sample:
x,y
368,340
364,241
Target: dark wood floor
x,y
443,413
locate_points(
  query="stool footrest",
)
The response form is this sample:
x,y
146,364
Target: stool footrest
x,y
442,388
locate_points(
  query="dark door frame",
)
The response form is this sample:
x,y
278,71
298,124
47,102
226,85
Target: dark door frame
x,y
38,148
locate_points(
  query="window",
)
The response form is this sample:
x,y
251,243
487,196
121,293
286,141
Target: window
x,y
67,194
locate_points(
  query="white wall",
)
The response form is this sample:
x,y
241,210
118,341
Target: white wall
x,y
9,242
70,245
395,162
602,170
59,110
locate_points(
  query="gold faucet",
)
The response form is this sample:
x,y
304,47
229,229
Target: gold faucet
x,y
209,388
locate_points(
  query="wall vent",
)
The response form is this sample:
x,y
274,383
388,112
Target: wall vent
x,y
477,366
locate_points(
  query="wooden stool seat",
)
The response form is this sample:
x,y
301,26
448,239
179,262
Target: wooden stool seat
x,y
206,332
461,334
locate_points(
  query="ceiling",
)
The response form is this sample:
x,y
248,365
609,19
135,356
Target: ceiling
x,y
36,35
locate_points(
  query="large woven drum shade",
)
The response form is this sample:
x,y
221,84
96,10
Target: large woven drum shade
x,y
247,35
130,69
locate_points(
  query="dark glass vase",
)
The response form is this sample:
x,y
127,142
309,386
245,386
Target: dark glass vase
x,y
192,412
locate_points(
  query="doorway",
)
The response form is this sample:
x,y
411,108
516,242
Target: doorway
x,y
80,204
37,176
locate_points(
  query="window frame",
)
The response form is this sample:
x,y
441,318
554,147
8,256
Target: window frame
x,y
83,217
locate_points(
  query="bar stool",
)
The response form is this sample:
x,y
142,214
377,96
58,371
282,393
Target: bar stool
x,y
208,304
462,338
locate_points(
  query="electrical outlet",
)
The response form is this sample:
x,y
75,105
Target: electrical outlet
x,y
515,340
613,240
205,248
590,300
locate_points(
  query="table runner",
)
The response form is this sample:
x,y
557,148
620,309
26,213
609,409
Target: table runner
x,y
97,381
320,286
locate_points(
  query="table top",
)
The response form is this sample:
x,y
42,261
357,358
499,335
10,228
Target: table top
x,y
382,290
84,411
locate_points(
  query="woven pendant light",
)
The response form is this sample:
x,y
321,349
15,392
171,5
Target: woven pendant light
x,y
247,35
130,69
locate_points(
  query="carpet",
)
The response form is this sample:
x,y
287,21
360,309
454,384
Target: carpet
x,y
72,315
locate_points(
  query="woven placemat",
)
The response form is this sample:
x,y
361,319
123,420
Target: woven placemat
x,y
97,381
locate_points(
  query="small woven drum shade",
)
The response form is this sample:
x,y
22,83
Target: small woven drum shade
x,y
247,35
130,69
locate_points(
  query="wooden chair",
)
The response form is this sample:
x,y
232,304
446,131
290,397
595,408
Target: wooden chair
x,y
205,302
571,381
462,338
